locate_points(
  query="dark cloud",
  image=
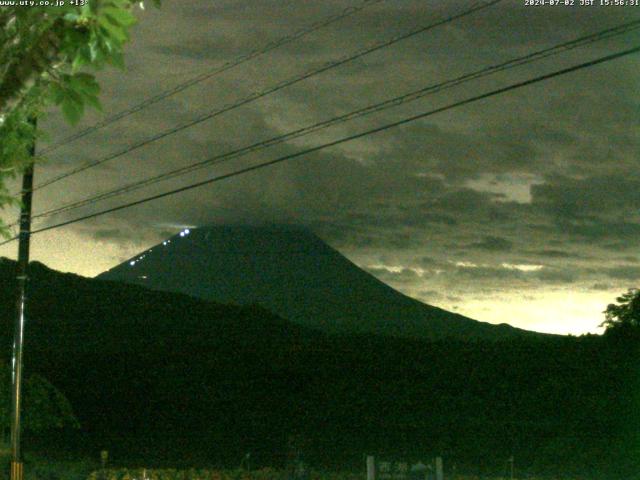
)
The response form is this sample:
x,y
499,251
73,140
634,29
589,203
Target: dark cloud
x,y
417,218
431,295
492,244
110,234
544,176
206,48
466,201
555,276
602,230
489,273
614,196
459,156
428,262
403,276
623,273
553,254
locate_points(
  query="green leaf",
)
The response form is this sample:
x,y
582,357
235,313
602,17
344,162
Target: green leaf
x,y
112,31
94,101
74,96
56,93
90,9
82,58
119,4
93,49
75,37
72,111
104,42
85,83
71,17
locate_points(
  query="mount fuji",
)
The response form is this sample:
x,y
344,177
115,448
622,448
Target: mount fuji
x,y
294,274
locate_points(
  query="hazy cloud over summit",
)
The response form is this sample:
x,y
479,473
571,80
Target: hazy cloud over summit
x,y
535,192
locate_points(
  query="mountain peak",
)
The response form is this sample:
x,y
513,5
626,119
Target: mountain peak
x,y
291,272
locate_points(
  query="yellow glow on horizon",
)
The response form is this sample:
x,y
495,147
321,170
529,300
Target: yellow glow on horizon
x,y
550,311
72,252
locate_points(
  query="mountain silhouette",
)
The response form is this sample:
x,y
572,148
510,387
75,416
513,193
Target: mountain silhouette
x,y
166,379
294,274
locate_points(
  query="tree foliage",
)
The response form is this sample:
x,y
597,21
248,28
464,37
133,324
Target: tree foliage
x,y
624,317
46,54
45,407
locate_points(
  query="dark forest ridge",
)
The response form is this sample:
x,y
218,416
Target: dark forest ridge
x,y
294,274
159,377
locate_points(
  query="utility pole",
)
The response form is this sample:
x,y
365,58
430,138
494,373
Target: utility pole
x,y
18,334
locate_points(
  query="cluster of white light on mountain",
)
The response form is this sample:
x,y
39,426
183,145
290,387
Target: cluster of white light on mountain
x,y
183,233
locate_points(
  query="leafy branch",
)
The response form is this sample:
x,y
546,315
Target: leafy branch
x,y
46,55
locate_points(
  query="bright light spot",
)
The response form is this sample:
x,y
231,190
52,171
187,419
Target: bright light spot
x,y
467,265
514,188
182,234
132,263
187,231
388,268
164,243
522,267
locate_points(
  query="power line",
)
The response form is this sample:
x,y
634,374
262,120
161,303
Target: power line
x,y
346,139
390,103
211,73
269,90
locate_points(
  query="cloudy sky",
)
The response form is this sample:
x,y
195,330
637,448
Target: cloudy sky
x,y
521,208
